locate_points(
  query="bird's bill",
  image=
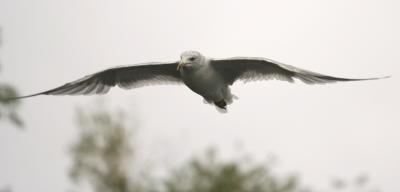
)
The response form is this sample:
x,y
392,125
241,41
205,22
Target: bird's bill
x,y
180,65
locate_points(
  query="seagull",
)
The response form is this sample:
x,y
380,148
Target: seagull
x,y
208,77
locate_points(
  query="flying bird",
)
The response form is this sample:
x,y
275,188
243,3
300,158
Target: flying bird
x,y
208,77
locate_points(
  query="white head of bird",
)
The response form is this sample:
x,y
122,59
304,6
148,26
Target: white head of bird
x,y
190,59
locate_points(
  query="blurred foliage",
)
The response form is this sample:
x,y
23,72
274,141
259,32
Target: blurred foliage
x,y
360,183
8,108
101,154
209,174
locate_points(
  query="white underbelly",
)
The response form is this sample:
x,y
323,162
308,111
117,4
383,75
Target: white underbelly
x,y
205,83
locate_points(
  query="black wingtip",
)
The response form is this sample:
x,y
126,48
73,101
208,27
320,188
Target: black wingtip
x,y
22,97
376,78
347,79
385,77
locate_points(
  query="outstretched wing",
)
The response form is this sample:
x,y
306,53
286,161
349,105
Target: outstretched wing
x,y
126,77
253,69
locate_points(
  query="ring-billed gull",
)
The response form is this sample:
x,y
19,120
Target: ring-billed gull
x,y
207,77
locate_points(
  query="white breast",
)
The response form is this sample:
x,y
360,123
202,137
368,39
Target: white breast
x,y
205,82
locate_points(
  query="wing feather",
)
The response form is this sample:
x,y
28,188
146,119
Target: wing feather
x,y
253,69
126,77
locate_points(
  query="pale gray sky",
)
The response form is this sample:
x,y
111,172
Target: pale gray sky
x,y
319,131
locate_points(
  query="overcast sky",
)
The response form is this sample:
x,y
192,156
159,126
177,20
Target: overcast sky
x,y
321,132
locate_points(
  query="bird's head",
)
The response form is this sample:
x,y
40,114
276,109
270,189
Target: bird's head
x,y
190,59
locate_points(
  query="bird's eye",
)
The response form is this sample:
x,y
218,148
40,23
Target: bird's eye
x,y
192,59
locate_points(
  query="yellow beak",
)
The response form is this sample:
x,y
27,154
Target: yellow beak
x,y
180,65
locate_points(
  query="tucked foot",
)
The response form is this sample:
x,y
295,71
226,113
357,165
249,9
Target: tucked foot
x,y
220,104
